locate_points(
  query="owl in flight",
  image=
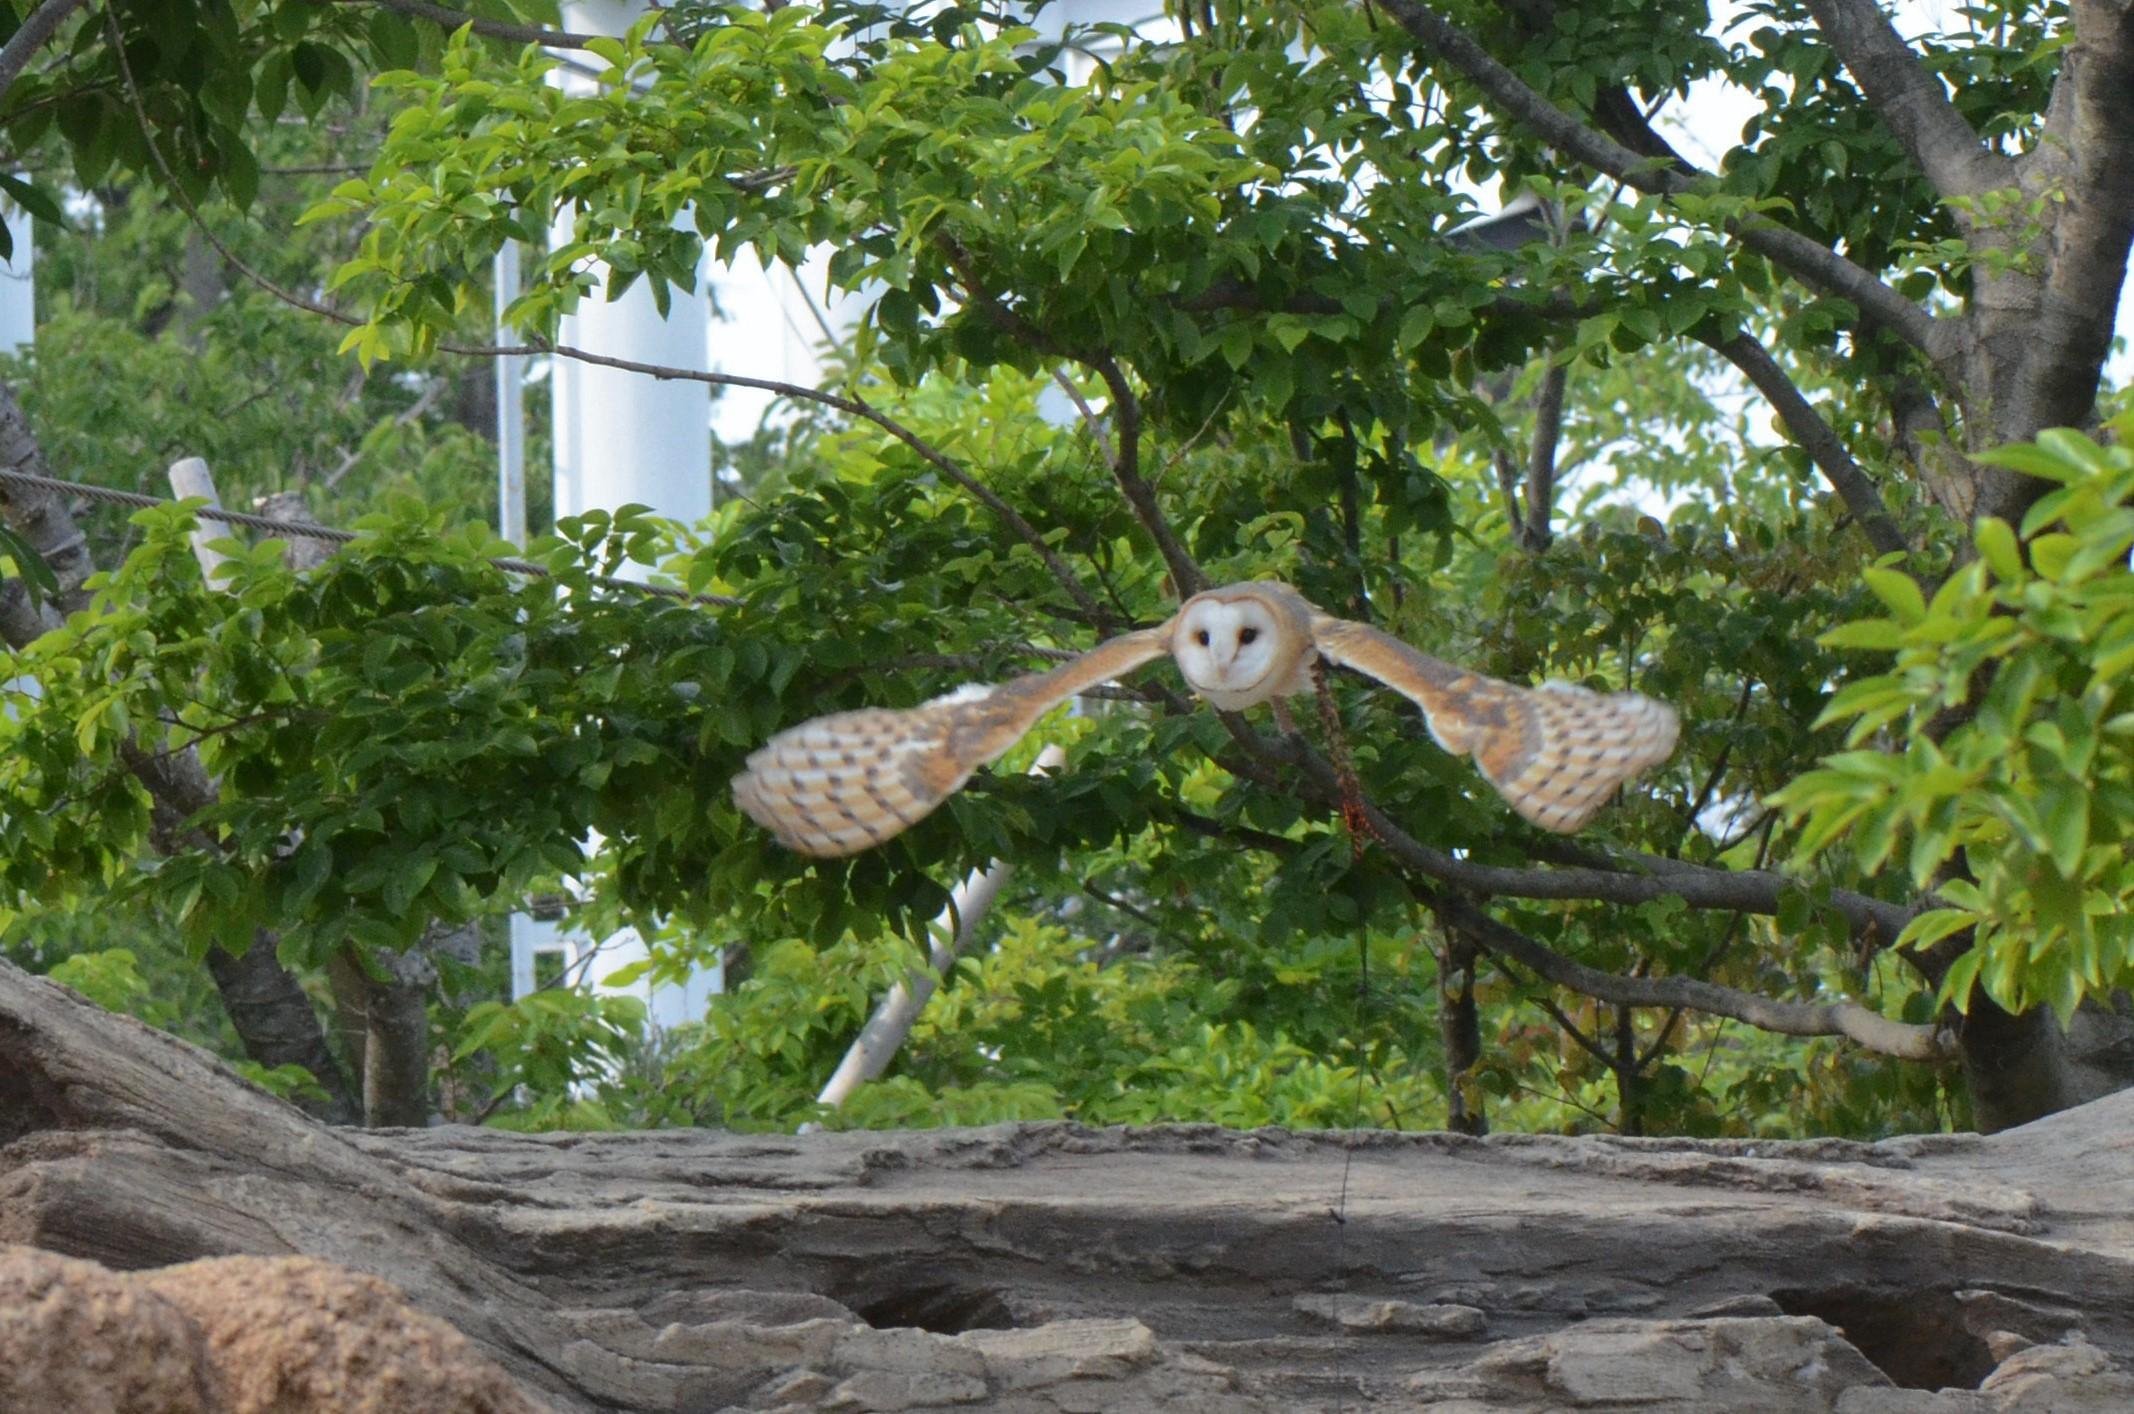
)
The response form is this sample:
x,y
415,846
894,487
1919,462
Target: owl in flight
x,y
846,782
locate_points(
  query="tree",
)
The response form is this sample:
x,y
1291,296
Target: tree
x,y
1238,254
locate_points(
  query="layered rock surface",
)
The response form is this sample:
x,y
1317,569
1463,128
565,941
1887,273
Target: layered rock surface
x,y
1029,1267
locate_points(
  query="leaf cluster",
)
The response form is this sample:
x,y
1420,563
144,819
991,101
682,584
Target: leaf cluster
x,y
1990,759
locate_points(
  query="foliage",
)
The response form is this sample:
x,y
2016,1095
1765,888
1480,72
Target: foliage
x,y
552,1044
193,89
112,979
2016,817
154,346
291,1082
1240,252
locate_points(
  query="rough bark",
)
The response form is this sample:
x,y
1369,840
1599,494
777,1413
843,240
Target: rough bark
x,y
41,517
266,1005
1046,1267
274,1021
2018,1068
396,1041
1459,1025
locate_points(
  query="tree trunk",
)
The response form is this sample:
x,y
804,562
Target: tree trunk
x,y
1459,1027
384,1024
275,1023
1050,1267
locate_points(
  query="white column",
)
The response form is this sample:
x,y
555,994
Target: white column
x,y
776,323
510,409
624,438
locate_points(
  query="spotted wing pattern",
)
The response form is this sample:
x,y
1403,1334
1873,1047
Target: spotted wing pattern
x,y
1556,753
847,782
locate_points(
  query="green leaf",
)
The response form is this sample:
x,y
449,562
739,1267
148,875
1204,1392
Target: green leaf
x,y
1898,591
1882,635
1958,981
1930,927
1997,544
2064,812
37,577
406,881
2032,461
33,199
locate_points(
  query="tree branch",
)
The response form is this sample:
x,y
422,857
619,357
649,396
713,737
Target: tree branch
x,y
1541,457
1910,100
1186,573
1571,1028
1733,890
267,1006
21,621
42,23
1814,436
1459,1026
1465,919
968,904
1809,261
1614,110
1856,1023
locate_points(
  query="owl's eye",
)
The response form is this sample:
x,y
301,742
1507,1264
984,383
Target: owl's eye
x,y
1202,636
1246,635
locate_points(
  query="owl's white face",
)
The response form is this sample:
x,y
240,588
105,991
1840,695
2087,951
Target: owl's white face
x,y
1237,652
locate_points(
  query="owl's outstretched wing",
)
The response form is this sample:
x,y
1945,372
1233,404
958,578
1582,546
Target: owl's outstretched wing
x,y
1554,752
846,782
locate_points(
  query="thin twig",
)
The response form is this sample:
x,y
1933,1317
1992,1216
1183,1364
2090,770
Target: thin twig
x,y
422,404
1570,1028
1090,420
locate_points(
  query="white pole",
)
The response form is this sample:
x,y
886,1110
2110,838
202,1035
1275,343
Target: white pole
x,y
190,478
626,438
885,1031
510,409
18,319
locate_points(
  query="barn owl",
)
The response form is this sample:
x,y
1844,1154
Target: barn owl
x,y
846,782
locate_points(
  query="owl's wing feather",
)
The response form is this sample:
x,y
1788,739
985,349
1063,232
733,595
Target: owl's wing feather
x,y
846,782
1555,753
